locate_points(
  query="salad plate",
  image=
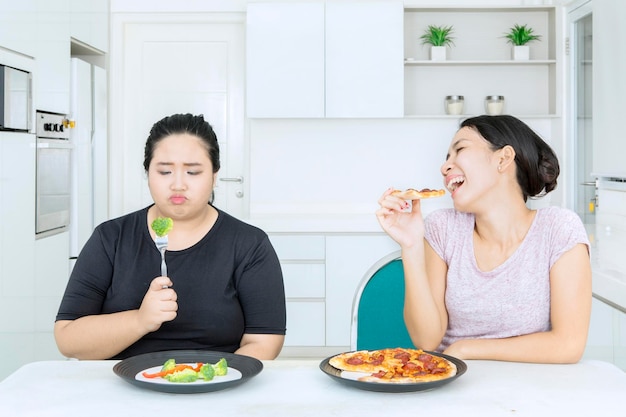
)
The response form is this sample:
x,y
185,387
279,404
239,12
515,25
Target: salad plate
x,y
240,369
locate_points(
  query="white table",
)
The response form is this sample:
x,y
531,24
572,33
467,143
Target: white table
x,y
299,388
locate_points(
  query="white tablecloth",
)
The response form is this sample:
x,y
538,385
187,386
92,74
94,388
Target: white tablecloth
x,y
299,388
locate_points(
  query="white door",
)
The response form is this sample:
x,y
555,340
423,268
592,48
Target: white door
x,y
182,67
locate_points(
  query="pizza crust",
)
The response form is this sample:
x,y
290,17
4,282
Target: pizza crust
x,y
413,194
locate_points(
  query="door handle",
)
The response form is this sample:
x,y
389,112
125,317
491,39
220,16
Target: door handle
x,y
232,179
591,183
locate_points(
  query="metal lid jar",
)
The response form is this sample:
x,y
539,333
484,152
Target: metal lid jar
x,y
494,105
454,104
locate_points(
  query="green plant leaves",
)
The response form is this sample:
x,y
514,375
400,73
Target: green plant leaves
x,y
520,35
437,36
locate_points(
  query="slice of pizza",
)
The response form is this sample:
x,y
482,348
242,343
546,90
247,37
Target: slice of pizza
x,y
414,194
359,361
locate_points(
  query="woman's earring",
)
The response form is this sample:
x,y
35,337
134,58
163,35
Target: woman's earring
x,y
499,168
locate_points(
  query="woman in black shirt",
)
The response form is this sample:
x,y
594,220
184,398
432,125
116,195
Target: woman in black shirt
x,y
224,290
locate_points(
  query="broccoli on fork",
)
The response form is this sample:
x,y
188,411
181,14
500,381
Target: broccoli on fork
x,y
162,226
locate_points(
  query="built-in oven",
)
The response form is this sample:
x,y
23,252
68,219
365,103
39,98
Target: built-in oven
x,y
53,186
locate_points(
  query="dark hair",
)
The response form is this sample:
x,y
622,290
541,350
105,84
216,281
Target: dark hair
x,y
537,164
179,124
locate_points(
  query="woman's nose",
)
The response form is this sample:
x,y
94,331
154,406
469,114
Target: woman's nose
x,y
179,181
447,166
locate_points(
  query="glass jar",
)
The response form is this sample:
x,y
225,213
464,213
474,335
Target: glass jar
x,y
494,105
454,104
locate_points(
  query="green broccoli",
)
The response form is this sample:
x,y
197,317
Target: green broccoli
x,y
162,225
221,367
169,364
206,372
186,375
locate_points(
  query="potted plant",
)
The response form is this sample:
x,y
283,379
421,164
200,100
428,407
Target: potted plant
x,y
519,36
438,37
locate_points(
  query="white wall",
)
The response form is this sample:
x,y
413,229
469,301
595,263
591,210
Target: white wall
x,y
330,166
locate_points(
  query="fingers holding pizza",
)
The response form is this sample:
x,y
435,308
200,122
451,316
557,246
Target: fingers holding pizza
x,y
410,194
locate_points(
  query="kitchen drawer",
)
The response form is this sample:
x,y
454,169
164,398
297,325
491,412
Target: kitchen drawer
x,y
305,323
304,280
299,247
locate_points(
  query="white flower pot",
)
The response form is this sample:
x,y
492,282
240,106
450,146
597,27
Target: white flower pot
x,y
521,53
437,53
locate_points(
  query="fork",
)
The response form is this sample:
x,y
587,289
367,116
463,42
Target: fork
x,y
161,244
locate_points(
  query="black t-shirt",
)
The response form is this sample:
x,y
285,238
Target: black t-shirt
x,y
228,284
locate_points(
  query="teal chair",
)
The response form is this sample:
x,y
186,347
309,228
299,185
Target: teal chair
x,y
377,309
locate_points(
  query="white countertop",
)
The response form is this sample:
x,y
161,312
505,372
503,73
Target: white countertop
x,y
299,388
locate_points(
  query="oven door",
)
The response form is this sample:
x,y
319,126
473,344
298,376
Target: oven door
x,y
53,195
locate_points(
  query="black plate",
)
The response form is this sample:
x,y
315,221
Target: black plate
x,y
128,368
335,374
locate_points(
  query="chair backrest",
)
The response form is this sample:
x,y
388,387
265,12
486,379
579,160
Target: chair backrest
x,y
377,309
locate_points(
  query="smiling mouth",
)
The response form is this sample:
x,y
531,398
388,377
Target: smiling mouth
x,y
455,183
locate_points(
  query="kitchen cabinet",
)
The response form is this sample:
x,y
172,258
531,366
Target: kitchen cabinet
x,y
285,60
44,30
348,258
607,334
479,63
601,329
89,22
321,274
17,225
302,261
620,341
313,60
363,66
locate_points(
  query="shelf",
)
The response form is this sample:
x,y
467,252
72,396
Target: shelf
x,y
466,116
485,8
408,62
479,63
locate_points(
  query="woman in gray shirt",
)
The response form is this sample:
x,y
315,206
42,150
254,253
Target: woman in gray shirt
x,y
491,278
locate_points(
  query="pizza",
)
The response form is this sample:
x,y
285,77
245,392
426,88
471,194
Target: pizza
x,y
413,194
395,365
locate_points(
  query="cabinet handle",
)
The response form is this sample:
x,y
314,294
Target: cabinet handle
x,y
593,183
233,179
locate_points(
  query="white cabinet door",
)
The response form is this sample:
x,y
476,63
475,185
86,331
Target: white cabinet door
x,y
17,211
348,258
309,60
620,340
302,261
305,323
285,60
600,336
364,59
